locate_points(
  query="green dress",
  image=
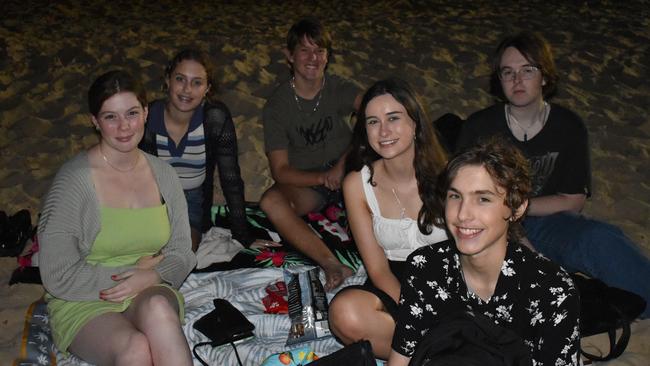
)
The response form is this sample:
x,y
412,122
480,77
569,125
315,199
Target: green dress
x,y
125,236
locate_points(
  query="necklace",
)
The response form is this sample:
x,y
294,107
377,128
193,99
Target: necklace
x,y
530,129
295,95
137,159
402,213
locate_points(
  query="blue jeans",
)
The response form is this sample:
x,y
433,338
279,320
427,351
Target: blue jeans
x,y
194,198
600,250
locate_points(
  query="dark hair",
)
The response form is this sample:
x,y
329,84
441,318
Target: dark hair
x,y
507,166
312,29
537,51
197,56
429,157
111,83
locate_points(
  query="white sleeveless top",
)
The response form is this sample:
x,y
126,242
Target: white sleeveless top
x,y
398,237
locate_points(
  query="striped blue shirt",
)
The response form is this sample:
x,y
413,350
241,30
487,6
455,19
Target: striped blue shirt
x,y
188,157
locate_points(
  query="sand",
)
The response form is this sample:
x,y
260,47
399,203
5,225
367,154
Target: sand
x,y
50,52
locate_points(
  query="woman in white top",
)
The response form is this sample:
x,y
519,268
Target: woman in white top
x,y
395,159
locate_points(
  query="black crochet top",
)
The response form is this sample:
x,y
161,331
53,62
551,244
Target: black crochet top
x,y
221,152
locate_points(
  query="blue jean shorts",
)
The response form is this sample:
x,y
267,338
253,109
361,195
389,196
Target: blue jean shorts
x,y
194,198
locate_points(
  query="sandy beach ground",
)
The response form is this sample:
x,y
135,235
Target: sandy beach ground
x,y
51,51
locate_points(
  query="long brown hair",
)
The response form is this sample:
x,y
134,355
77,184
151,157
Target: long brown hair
x,y
430,157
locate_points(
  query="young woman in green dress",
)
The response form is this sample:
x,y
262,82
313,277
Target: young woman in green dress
x,y
115,241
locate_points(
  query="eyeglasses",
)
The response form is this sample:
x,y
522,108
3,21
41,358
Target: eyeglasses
x,y
525,73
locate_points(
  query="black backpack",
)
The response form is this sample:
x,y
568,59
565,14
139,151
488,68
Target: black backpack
x,y
604,309
469,339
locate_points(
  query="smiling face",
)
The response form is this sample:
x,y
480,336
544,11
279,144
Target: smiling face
x,y
308,60
187,85
520,93
121,121
476,213
389,127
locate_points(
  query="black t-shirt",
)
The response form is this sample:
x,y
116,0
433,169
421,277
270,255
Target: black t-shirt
x,y
558,154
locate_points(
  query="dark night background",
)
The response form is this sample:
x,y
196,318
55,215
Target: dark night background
x,y
50,51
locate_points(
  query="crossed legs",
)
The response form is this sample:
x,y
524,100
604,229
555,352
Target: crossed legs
x,y
284,205
147,333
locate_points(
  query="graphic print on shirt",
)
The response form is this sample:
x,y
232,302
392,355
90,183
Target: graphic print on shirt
x,y
317,132
542,167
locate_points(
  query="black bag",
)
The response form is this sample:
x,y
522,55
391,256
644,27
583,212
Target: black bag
x,y
224,324
469,339
15,230
356,354
604,309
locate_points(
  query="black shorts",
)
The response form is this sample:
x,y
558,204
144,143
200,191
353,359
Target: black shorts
x,y
397,267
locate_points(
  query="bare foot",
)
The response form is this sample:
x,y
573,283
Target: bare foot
x,y
335,274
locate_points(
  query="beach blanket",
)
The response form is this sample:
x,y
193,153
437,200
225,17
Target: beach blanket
x,y
36,347
244,288
242,280
329,224
219,252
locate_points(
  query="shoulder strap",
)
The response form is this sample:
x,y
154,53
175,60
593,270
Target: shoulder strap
x,y
605,309
616,348
369,191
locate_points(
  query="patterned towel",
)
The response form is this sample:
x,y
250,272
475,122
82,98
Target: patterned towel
x,y
36,347
330,224
242,281
244,288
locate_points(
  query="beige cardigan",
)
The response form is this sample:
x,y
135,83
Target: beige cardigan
x,y
70,222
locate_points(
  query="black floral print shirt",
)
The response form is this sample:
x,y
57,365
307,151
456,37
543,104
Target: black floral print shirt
x,y
533,297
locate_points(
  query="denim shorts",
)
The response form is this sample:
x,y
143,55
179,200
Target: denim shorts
x,y
194,198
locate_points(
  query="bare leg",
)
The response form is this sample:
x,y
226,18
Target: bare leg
x,y
111,339
155,313
283,206
148,332
355,315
